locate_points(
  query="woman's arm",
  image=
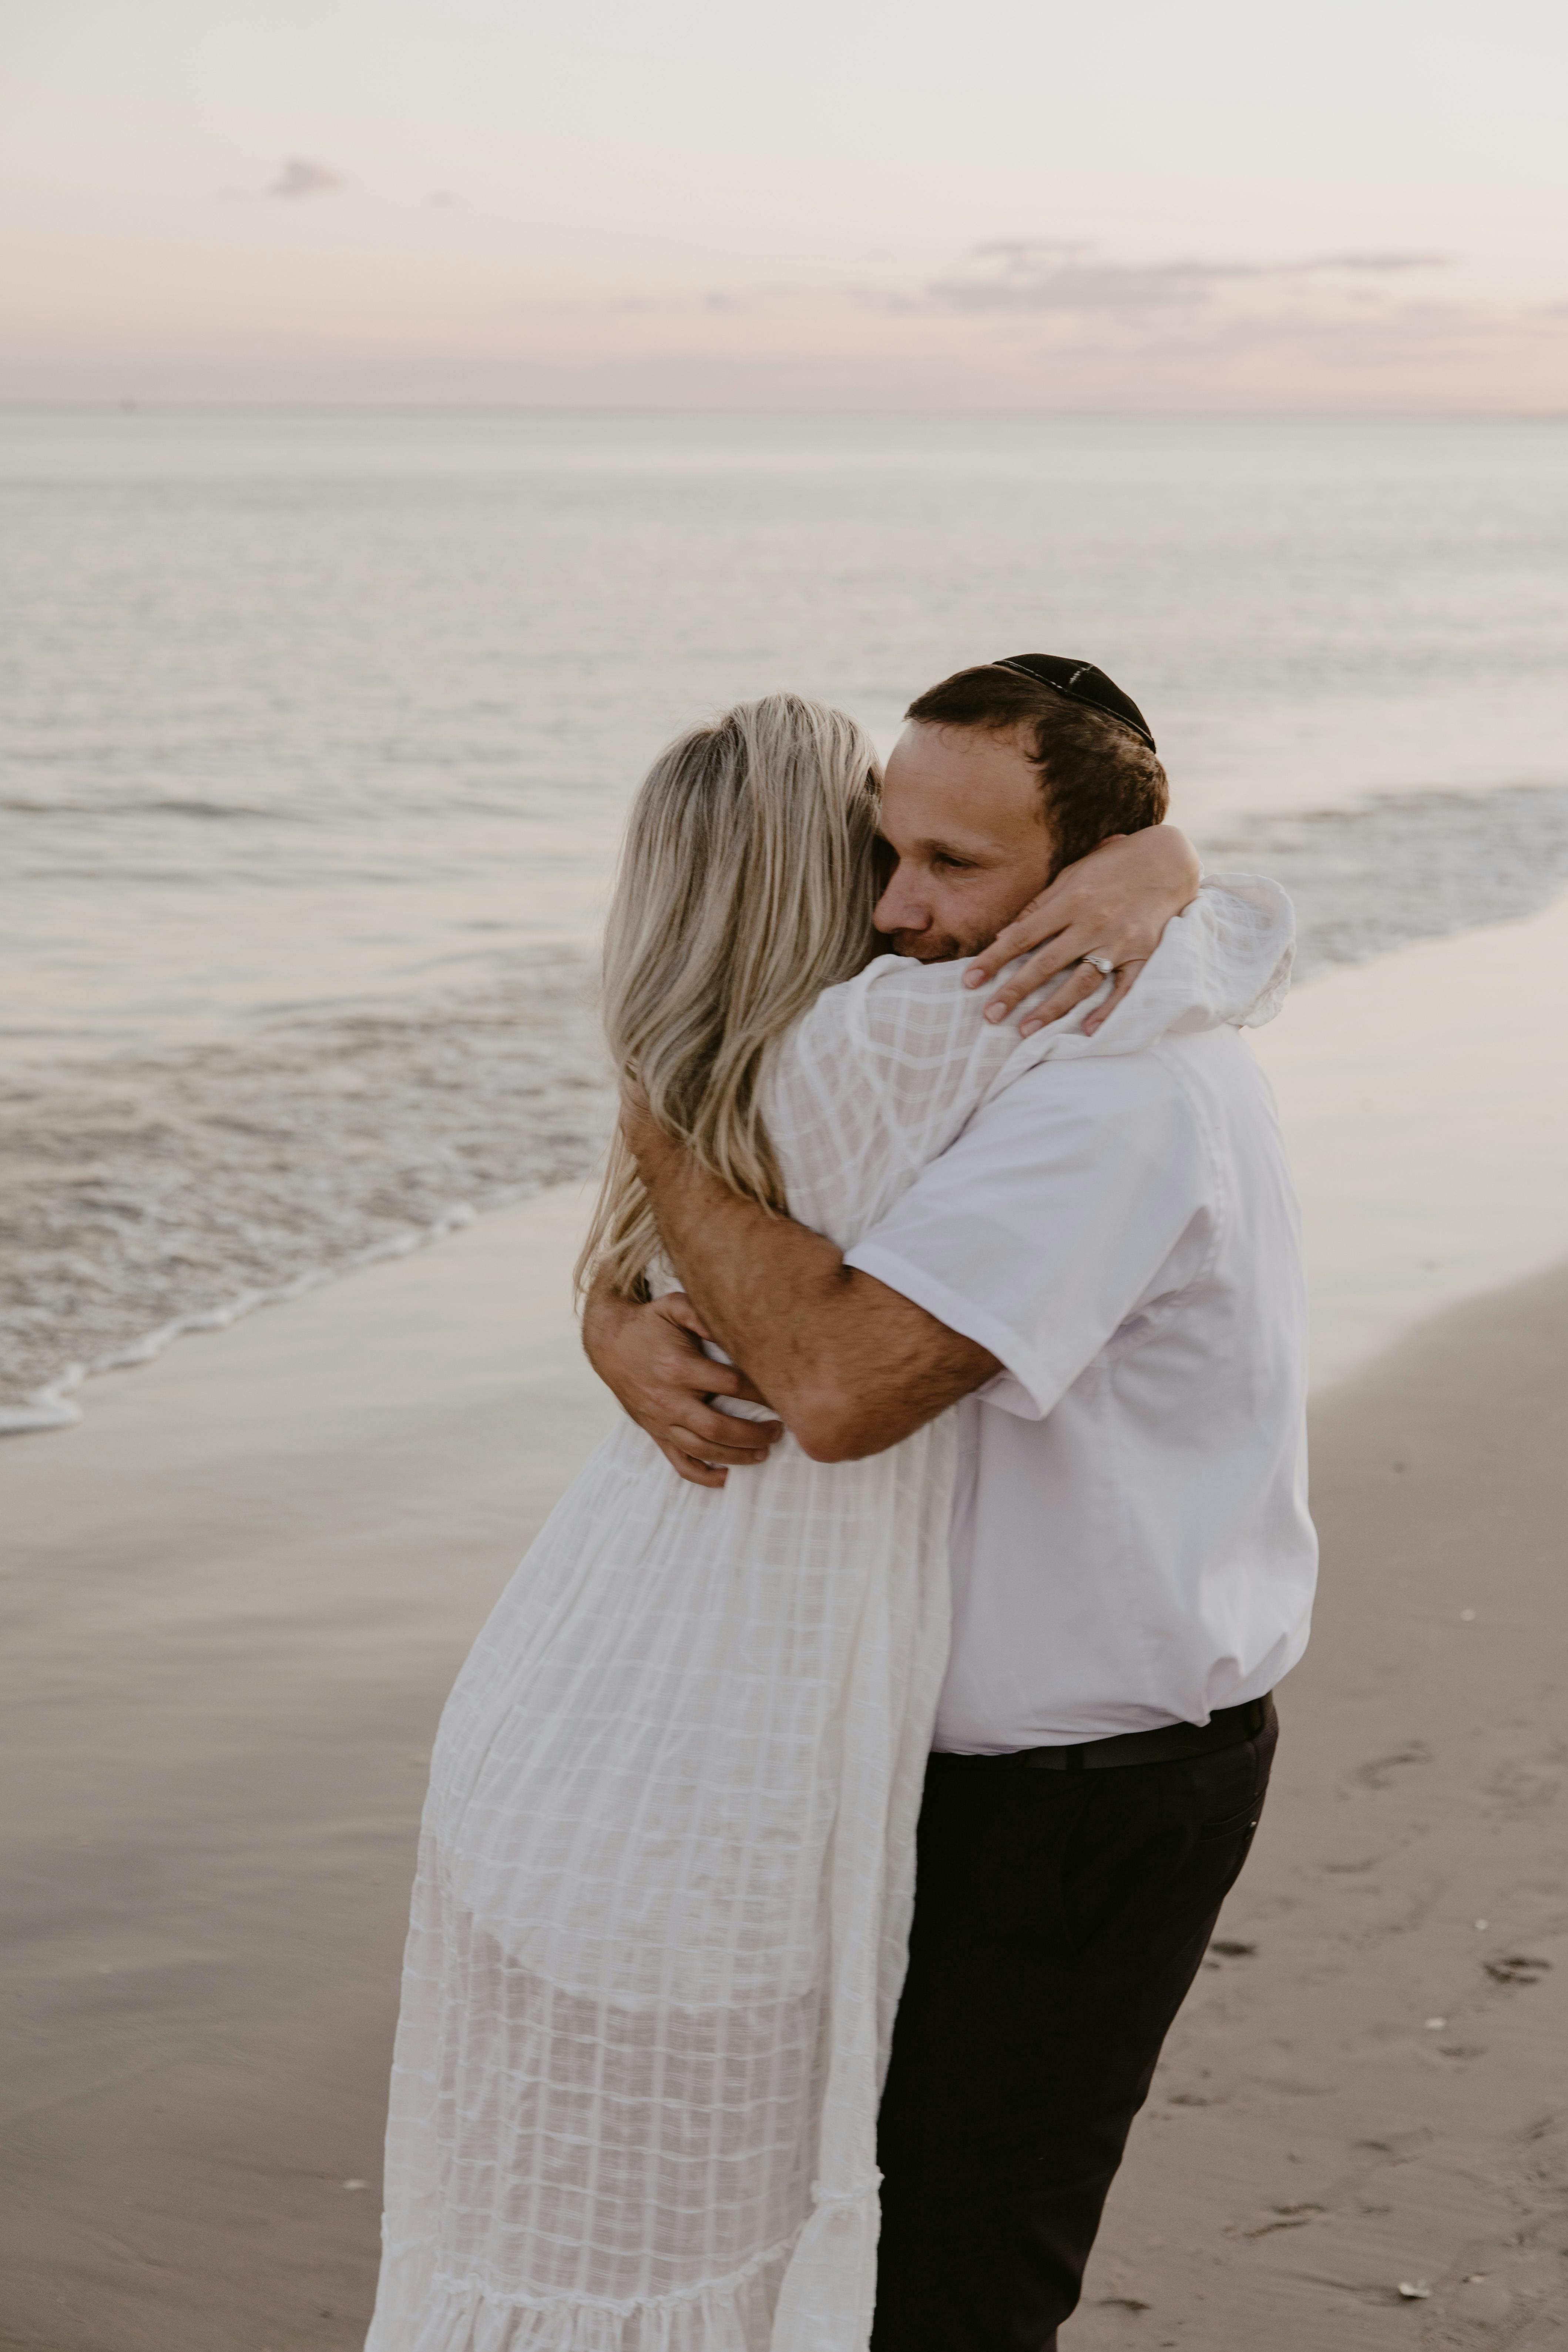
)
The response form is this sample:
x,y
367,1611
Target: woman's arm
x,y
1114,903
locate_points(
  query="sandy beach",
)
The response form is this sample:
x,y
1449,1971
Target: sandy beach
x,y
1368,2090
235,1596
231,1613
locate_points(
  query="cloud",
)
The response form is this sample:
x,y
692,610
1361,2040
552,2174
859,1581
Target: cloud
x,y
300,177
1024,252
1382,261
1037,274
1059,322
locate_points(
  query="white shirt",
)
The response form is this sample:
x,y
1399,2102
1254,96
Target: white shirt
x,y
1131,1545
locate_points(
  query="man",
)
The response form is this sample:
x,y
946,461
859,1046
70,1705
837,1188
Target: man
x,y
1102,1274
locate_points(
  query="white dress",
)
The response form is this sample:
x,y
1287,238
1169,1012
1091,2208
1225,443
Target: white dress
x,y
667,1865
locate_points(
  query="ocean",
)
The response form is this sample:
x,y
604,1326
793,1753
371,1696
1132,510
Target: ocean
x,y
317,730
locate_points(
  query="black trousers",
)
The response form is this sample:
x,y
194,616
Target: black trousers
x,y
1060,1919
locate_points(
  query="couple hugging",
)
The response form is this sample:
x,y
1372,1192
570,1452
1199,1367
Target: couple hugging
x,y
830,1820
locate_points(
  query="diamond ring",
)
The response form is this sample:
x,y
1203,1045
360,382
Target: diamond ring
x,y
1102,964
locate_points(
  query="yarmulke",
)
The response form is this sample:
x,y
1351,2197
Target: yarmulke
x,y
1083,683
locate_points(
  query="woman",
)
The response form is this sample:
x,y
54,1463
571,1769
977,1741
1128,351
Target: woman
x,y
666,1869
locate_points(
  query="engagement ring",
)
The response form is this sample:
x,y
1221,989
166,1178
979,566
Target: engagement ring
x,y
1102,964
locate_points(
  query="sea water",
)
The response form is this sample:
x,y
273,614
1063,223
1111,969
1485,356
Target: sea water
x,y
317,731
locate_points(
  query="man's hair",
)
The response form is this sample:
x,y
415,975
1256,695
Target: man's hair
x,y
1096,777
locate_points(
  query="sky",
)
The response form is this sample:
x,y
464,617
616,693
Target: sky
x,y
990,205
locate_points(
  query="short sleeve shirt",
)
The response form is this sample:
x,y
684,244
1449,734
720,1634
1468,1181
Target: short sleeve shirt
x,y
1131,1543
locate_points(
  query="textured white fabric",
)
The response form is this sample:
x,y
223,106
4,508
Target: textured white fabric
x,y
666,1869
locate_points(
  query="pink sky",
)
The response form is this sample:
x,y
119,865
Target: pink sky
x,y
1355,205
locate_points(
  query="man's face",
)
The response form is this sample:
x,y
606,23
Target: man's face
x,y
962,814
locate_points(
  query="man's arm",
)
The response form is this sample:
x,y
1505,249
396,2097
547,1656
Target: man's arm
x,y
850,1366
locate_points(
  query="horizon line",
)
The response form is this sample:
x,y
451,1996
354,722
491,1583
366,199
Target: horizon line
x,y
132,404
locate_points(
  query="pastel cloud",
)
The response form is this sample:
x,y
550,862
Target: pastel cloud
x,y
1028,274
300,177
1042,321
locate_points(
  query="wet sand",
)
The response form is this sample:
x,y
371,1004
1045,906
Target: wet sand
x,y
1368,2087
1425,1100
235,1596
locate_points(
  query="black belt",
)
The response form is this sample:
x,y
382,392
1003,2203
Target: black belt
x,y
1168,1743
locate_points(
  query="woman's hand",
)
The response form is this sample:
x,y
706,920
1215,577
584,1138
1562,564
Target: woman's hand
x,y
1114,903
651,1357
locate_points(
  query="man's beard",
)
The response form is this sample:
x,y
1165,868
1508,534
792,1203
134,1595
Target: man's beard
x,y
927,947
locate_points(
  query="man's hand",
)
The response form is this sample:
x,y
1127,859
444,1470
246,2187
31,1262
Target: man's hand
x,y
850,1366
650,1357
1113,903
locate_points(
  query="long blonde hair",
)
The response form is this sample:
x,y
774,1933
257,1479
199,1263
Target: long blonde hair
x,y
745,887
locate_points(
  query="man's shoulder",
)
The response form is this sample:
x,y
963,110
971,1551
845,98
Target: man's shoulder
x,y
1172,1070
1221,1053
1093,1084
1173,1097
1072,1112
1219,1071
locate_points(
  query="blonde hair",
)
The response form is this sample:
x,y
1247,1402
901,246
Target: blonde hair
x,y
745,887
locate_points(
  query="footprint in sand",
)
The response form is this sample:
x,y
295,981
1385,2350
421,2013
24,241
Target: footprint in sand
x,y
1515,1968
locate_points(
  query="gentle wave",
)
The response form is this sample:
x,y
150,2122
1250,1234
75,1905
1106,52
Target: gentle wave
x,y
148,1196
53,1406
1407,866
219,810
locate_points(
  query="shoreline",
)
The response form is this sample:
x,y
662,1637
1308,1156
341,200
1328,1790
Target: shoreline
x,y
51,1406
1435,1053
1425,1103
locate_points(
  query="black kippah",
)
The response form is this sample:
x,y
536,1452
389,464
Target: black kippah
x,y
1083,683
